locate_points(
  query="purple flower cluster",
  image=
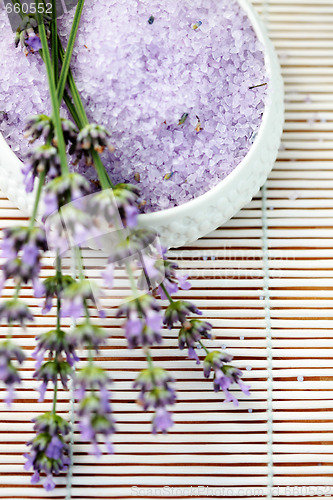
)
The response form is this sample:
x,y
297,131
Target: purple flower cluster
x,y
53,287
27,35
173,278
61,357
92,136
191,334
177,312
87,334
49,453
144,321
224,374
22,248
156,393
8,372
75,296
63,189
42,159
15,311
57,344
50,371
95,410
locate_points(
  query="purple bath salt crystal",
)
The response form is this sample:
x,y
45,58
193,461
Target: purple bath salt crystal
x,y
145,79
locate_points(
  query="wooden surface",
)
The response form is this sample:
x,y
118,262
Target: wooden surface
x,y
265,280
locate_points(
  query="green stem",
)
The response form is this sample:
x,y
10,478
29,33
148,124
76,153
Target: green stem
x,y
204,347
37,199
54,42
59,278
74,90
53,92
54,406
79,262
17,291
103,176
69,50
149,359
170,299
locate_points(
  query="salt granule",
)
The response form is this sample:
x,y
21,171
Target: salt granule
x,y
140,67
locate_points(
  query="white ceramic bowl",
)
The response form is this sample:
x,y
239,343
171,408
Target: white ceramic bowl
x,y
196,218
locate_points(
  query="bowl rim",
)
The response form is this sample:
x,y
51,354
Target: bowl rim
x,y
197,202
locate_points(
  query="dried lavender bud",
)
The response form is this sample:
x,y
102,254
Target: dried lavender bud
x,y
49,453
50,371
22,248
197,25
88,335
173,279
56,343
144,321
63,189
43,159
15,311
192,332
27,35
256,86
126,197
9,374
54,288
92,136
156,392
74,298
224,375
183,119
136,241
95,411
38,126
177,312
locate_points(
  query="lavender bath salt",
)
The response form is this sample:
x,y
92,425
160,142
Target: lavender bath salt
x,y
180,85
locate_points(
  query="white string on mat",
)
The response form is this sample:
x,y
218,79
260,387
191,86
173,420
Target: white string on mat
x,y
269,348
267,305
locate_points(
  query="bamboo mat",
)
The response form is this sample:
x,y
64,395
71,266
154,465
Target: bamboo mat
x,y
265,281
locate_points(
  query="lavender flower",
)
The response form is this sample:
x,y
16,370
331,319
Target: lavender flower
x,y
95,411
89,335
53,287
38,126
65,187
22,247
43,159
144,321
27,35
156,392
162,421
15,239
126,198
177,312
15,311
173,279
93,136
75,296
49,453
191,333
50,371
57,343
131,244
8,372
224,375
